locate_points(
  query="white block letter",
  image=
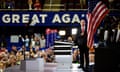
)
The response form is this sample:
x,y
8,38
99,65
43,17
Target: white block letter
x,y
25,18
35,18
75,19
6,18
56,19
66,18
43,16
15,18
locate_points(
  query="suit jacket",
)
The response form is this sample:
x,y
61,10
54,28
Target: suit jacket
x,y
81,40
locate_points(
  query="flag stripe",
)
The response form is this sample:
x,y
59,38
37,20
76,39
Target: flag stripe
x,y
94,20
98,14
89,24
96,7
99,18
89,31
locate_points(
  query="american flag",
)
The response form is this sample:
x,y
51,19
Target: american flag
x,y
94,18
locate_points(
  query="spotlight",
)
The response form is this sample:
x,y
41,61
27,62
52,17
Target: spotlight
x,y
74,31
62,32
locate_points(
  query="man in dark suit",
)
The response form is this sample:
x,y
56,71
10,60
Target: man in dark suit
x,y
81,41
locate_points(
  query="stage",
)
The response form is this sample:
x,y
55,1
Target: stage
x,y
51,67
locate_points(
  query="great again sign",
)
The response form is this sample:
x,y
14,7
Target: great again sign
x,y
38,18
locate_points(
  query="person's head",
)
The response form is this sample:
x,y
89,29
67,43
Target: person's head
x,y
23,47
36,38
26,36
3,48
12,53
37,0
19,53
32,36
82,22
14,48
30,2
42,37
49,51
70,39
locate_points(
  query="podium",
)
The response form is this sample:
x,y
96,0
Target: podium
x,y
107,59
63,54
32,65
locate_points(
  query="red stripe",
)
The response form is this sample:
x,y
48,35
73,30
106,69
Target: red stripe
x,y
89,28
101,18
98,15
96,7
94,20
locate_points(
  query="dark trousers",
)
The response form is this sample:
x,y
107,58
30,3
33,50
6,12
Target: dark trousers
x,y
84,56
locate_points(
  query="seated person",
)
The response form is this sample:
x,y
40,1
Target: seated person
x,y
70,39
76,56
27,55
12,59
14,49
50,55
32,53
19,57
3,52
3,60
43,55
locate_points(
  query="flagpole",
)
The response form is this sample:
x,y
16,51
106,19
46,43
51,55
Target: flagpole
x,y
88,5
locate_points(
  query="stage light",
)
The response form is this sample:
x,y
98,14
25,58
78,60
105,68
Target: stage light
x,y
82,15
62,32
74,31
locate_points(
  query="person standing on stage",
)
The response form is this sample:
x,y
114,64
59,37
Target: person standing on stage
x,y
81,41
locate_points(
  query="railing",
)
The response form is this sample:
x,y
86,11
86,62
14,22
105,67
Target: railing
x,y
53,9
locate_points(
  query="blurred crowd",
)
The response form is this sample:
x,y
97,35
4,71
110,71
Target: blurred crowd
x,y
21,4
39,4
31,48
108,34
14,57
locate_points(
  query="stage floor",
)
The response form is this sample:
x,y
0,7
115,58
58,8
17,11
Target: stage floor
x,y
51,67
